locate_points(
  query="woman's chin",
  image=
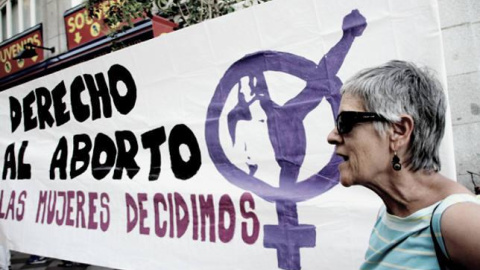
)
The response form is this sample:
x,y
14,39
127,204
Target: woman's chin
x,y
346,180
345,183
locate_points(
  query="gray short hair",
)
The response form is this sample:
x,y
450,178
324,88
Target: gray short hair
x,y
400,87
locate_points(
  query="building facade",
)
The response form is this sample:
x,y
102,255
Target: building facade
x,y
460,23
17,16
61,35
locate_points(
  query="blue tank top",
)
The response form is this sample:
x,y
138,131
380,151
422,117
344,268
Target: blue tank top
x,y
406,242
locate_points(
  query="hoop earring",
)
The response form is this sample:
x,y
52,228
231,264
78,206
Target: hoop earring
x,y
396,162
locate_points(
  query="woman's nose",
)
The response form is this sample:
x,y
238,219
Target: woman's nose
x,y
333,137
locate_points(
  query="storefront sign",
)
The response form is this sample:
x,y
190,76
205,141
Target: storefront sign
x,y
81,28
12,47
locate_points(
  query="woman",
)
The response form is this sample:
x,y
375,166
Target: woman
x,y
388,131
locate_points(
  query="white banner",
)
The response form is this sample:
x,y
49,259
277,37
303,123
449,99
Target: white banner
x,y
206,148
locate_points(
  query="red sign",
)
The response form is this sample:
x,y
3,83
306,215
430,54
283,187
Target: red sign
x,y
162,26
10,48
82,29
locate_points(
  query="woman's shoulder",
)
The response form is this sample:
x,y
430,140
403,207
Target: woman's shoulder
x,y
455,204
458,205
457,199
459,219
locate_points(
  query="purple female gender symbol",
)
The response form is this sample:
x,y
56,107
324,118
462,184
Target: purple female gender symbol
x,y
286,132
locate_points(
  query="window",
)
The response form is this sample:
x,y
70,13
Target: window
x,y
26,14
4,23
17,15
15,24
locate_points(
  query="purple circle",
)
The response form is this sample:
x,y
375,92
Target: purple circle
x,y
320,85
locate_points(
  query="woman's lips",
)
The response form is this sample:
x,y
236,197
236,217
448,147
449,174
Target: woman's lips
x,y
344,157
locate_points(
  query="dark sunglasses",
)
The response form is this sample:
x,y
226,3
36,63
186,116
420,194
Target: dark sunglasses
x,y
347,120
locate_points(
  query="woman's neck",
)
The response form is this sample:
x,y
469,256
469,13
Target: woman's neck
x,y
406,192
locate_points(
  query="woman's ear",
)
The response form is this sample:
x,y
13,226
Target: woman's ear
x,y
401,131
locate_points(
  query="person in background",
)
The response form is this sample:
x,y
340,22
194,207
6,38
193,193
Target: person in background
x,y
4,252
388,131
35,259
